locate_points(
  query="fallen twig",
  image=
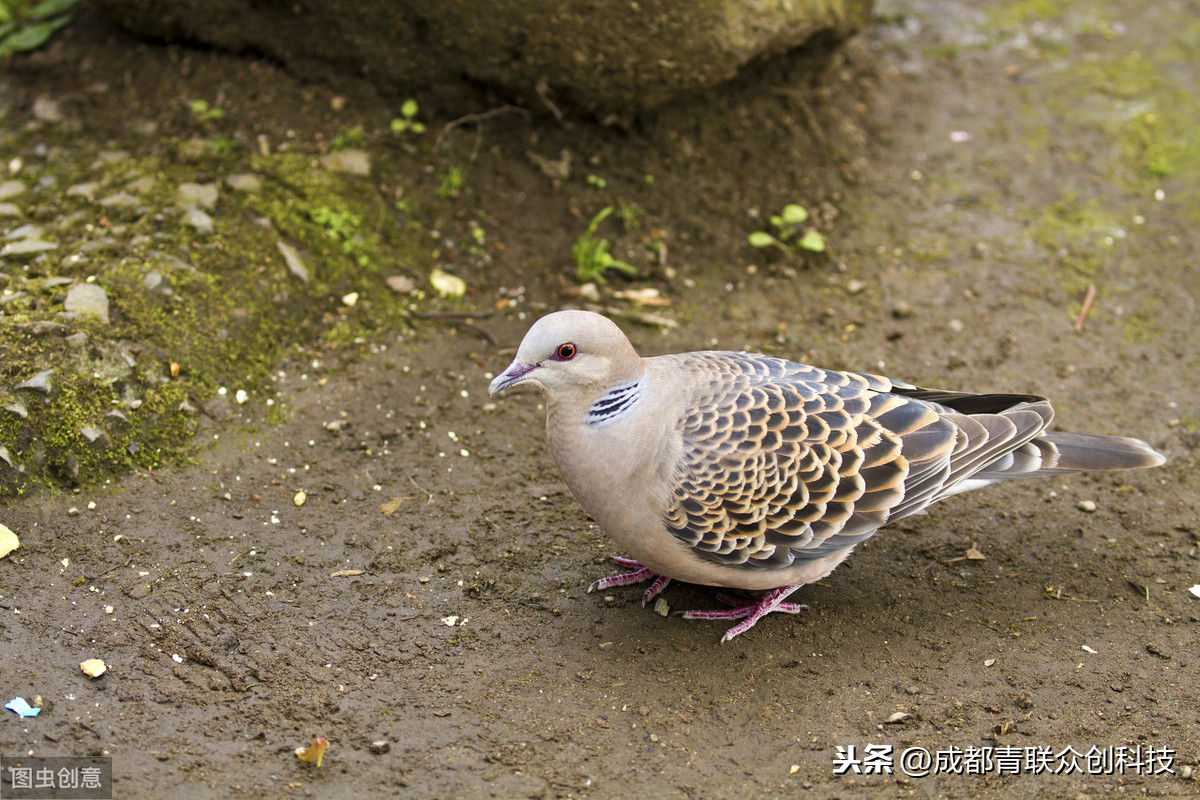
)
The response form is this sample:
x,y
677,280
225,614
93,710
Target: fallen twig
x,y
1088,299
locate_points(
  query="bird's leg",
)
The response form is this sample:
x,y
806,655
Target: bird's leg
x,y
752,612
639,575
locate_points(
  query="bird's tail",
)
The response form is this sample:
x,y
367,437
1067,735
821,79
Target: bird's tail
x,y
1057,453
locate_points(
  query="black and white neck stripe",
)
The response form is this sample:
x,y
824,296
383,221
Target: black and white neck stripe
x,y
613,403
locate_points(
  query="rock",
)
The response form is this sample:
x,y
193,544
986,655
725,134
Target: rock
x,y
26,247
11,189
157,283
292,258
25,232
87,189
244,182
47,110
120,200
196,195
650,52
603,56
9,210
17,407
87,298
354,162
201,222
95,437
39,383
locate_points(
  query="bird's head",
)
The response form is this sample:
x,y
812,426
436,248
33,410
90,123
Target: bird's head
x,y
571,352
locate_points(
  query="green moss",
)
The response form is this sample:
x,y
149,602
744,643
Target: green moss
x,y
224,310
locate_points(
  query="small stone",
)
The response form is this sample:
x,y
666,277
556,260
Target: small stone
x,y
38,383
156,283
94,436
120,200
292,258
380,746
17,408
244,182
1087,506
142,185
201,222
855,286
110,157
87,298
353,162
24,247
957,325
11,189
47,110
29,231
9,210
196,195
93,667
87,189
661,607
401,284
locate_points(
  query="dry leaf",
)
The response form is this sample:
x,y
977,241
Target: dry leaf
x,y
974,554
314,752
93,667
393,505
898,716
300,497
346,573
8,541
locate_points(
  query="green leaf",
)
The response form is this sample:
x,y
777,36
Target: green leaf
x,y
409,108
51,8
812,241
793,214
761,239
34,36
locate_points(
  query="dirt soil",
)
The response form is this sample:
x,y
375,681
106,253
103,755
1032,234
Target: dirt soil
x,y
973,170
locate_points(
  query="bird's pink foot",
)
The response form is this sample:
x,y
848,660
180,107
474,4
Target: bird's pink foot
x,y
750,613
639,575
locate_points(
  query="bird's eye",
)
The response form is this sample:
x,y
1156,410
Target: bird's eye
x,y
565,352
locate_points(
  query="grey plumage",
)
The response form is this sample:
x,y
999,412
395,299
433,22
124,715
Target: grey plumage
x,y
748,471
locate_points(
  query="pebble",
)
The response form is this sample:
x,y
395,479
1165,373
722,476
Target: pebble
x,y
87,298
9,210
120,200
27,247
196,195
155,283
47,110
38,383
87,189
244,182
1086,505
30,231
201,222
11,189
353,162
292,258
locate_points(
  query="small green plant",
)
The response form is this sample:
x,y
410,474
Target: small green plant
x,y
452,181
202,112
25,26
631,214
789,234
591,254
596,182
347,138
407,122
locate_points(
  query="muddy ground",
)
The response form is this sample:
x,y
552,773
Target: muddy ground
x,y
975,169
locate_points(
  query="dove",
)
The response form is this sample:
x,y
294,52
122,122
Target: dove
x,y
746,471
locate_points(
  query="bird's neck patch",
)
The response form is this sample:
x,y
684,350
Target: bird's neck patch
x,y
613,403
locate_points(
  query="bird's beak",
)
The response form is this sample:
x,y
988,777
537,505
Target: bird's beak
x,y
515,373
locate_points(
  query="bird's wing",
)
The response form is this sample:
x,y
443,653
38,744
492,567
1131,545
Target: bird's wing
x,y
784,462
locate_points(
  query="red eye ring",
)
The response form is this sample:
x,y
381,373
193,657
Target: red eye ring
x,y
566,351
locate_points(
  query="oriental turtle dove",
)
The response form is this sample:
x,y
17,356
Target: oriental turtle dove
x,y
741,470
